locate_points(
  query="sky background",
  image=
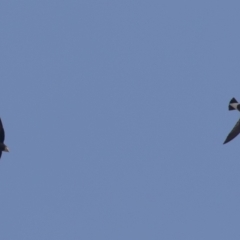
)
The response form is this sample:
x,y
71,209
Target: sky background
x,y
115,114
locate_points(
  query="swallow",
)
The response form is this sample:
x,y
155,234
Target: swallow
x,y
233,105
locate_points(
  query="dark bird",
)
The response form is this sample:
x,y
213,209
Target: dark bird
x,y
233,105
3,147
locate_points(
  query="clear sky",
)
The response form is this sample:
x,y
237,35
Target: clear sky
x,y
115,114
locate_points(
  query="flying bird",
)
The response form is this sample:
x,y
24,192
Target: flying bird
x,y
3,147
233,105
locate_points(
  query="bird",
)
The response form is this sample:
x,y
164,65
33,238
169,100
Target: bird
x,y
3,147
233,105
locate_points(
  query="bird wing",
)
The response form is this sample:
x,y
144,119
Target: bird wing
x,y
235,131
2,133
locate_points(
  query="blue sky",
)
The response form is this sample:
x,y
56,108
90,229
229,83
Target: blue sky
x,y
115,114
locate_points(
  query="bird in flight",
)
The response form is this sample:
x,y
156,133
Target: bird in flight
x,y
233,105
3,147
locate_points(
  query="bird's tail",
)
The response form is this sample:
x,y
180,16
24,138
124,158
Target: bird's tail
x,y
232,102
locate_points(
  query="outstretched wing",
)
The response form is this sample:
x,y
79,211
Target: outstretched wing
x,y
235,131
